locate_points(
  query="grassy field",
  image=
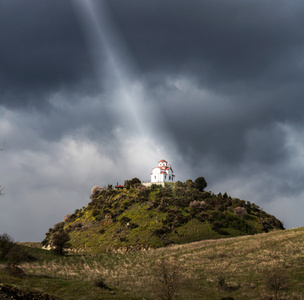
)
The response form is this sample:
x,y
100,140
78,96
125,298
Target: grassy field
x,y
210,269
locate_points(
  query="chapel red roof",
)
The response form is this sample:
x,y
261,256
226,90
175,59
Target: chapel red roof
x,y
119,186
163,168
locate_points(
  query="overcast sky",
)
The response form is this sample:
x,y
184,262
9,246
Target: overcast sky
x,y
96,92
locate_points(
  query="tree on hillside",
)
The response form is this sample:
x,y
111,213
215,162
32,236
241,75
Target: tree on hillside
x,y
17,254
189,183
179,184
11,251
200,183
135,180
277,280
168,279
60,242
6,244
132,183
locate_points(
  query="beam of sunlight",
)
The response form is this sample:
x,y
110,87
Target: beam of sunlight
x,y
127,94
139,121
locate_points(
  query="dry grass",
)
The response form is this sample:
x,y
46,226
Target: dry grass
x,y
238,262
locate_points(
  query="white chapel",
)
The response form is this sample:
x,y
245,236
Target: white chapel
x,y
162,173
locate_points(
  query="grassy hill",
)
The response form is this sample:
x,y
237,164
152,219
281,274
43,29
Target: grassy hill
x,y
138,217
210,269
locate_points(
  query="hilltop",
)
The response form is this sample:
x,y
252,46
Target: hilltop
x,y
138,217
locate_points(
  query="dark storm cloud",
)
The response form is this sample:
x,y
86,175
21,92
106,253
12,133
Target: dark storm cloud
x,y
216,89
215,39
249,53
42,51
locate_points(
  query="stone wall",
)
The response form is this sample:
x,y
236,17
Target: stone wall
x,y
148,184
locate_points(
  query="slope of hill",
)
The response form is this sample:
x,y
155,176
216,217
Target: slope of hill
x,y
139,217
235,267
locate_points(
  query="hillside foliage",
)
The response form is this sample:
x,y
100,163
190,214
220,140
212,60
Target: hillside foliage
x,y
140,217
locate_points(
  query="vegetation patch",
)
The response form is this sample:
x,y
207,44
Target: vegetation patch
x,y
137,217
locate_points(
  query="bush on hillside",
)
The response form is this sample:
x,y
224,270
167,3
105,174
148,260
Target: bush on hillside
x,y
124,220
18,254
179,184
15,271
66,218
142,192
134,182
60,242
197,204
154,187
96,191
6,244
240,211
14,255
189,184
100,282
58,226
200,183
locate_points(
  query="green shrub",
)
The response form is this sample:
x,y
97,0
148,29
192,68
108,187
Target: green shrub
x,y
155,187
161,231
60,242
124,220
58,226
99,218
200,183
15,271
18,254
132,225
6,244
100,282
95,212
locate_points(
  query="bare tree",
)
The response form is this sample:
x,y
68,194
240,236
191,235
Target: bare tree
x,y
168,279
276,280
